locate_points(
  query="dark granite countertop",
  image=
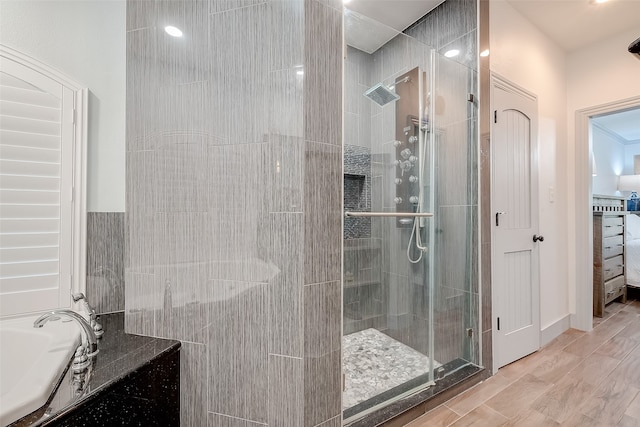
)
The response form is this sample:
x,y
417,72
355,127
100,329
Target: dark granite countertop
x,y
121,356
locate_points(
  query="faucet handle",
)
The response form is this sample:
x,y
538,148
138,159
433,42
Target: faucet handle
x,y
81,360
93,317
97,328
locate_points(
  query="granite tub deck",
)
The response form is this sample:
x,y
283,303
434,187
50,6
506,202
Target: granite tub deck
x,y
375,363
134,381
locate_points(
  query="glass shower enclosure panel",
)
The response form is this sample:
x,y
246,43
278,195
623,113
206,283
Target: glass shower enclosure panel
x,y
408,262
388,225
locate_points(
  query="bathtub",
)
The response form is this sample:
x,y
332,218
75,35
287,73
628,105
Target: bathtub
x,y
32,361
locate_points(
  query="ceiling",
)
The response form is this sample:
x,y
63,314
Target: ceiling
x,y
397,14
625,125
370,24
573,24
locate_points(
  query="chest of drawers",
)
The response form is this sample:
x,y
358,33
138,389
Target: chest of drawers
x,y
608,259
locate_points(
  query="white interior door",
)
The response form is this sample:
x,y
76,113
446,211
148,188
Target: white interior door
x,y
515,293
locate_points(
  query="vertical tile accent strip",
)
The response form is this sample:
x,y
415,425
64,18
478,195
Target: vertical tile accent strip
x,y
106,246
286,308
286,376
193,384
322,213
237,349
322,388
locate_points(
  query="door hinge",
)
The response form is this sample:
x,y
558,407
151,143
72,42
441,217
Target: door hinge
x,y
498,323
469,332
495,116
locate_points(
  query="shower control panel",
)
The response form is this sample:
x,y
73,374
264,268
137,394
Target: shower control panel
x,y
407,169
407,145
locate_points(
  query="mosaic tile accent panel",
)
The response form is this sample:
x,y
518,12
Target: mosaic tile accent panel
x,y
375,363
357,190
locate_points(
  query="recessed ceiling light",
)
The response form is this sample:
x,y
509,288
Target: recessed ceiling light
x,y
451,53
600,1
300,72
484,53
173,31
346,1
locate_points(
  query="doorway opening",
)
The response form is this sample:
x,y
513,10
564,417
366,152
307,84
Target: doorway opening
x,y
583,317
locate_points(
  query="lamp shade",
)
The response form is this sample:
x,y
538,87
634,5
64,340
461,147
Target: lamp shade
x,y
629,183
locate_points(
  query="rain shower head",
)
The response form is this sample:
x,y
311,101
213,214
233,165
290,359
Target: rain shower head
x,y
384,94
381,94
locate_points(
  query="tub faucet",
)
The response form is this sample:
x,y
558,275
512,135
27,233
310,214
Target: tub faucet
x,y
91,346
93,317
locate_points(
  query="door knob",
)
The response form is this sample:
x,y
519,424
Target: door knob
x,y
537,238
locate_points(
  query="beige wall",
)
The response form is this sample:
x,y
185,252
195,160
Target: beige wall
x,y
564,82
601,73
526,57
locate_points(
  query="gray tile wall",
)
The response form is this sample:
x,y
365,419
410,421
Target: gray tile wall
x,y
234,203
106,252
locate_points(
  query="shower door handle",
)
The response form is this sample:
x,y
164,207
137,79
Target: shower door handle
x,y
389,214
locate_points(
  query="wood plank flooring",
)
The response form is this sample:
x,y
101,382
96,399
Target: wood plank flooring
x,y
579,379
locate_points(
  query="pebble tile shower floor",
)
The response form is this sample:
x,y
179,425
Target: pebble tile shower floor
x,y
374,363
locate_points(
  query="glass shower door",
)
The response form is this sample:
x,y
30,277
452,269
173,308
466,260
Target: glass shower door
x,y
410,204
388,224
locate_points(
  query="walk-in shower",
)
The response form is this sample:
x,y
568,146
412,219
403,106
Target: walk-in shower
x,y
410,303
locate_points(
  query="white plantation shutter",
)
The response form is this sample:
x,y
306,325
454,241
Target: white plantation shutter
x,y
36,190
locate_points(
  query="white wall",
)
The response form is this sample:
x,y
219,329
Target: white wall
x,y
609,155
525,56
86,41
630,151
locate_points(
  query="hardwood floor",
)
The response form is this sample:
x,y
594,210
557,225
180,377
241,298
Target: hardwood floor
x,y
579,379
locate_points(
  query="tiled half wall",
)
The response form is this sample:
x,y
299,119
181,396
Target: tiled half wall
x,y
234,176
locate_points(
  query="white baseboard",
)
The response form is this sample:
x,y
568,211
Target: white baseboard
x,y
549,333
